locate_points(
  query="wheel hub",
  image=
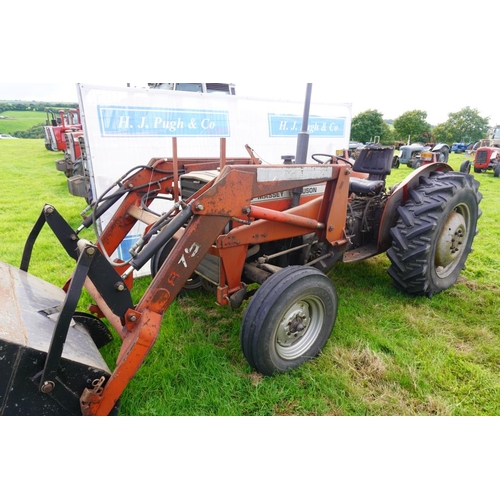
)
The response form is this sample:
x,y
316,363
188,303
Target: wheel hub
x,y
294,325
451,241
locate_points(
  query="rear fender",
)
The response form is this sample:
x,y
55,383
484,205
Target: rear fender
x,y
439,147
399,196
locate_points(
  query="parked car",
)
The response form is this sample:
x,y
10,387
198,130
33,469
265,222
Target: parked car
x,y
6,136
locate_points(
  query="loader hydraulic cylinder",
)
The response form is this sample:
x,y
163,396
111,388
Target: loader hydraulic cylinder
x,y
162,238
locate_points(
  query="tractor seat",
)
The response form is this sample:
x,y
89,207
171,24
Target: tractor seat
x,y
365,186
376,161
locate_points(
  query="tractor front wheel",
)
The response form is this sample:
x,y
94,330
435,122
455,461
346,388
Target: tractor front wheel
x,y
289,319
193,283
434,233
465,167
444,154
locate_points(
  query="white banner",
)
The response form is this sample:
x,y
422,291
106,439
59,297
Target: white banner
x,y
126,127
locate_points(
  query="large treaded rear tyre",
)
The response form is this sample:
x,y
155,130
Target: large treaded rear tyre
x,y
289,319
434,233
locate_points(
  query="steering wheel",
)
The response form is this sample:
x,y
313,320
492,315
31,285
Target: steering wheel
x,y
316,157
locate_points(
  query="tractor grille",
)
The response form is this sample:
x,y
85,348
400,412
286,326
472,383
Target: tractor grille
x,y
194,181
482,157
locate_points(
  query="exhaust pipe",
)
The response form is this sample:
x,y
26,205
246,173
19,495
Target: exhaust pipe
x,y
302,143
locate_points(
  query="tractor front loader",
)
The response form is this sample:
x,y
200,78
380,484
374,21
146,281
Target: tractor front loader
x,y
231,223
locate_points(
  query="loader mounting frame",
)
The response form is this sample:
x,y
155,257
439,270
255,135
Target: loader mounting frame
x,y
224,218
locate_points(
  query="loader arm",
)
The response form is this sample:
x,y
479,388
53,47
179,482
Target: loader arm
x,y
206,214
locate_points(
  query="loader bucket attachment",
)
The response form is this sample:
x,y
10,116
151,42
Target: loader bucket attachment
x,y
27,324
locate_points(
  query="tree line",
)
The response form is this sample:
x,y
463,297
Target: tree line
x,y
35,132
6,106
465,125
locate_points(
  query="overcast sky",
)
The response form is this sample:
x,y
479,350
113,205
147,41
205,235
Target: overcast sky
x,y
438,97
386,55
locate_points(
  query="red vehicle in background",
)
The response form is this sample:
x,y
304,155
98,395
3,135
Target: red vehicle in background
x,y
57,124
486,156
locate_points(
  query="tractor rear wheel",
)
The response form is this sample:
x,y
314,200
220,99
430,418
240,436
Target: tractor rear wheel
x,y
289,319
434,233
496,170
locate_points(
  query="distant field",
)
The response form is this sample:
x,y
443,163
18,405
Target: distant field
x,y
20,120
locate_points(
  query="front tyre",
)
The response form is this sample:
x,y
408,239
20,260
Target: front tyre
x,y
289,319
434,234
465,167
193,283
444,155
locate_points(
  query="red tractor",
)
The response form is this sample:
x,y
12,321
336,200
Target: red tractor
x,y
486,156
234,223
72,152
245,231
56,124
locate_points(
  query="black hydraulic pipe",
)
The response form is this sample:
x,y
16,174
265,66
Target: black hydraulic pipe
x,y
102,208
163,237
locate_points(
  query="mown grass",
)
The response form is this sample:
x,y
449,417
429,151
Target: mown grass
x,y
389,354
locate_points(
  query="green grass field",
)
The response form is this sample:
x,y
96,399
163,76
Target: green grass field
x,y
21,120
389,354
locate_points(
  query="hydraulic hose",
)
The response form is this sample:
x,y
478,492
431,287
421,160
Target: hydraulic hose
x,y
163,237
